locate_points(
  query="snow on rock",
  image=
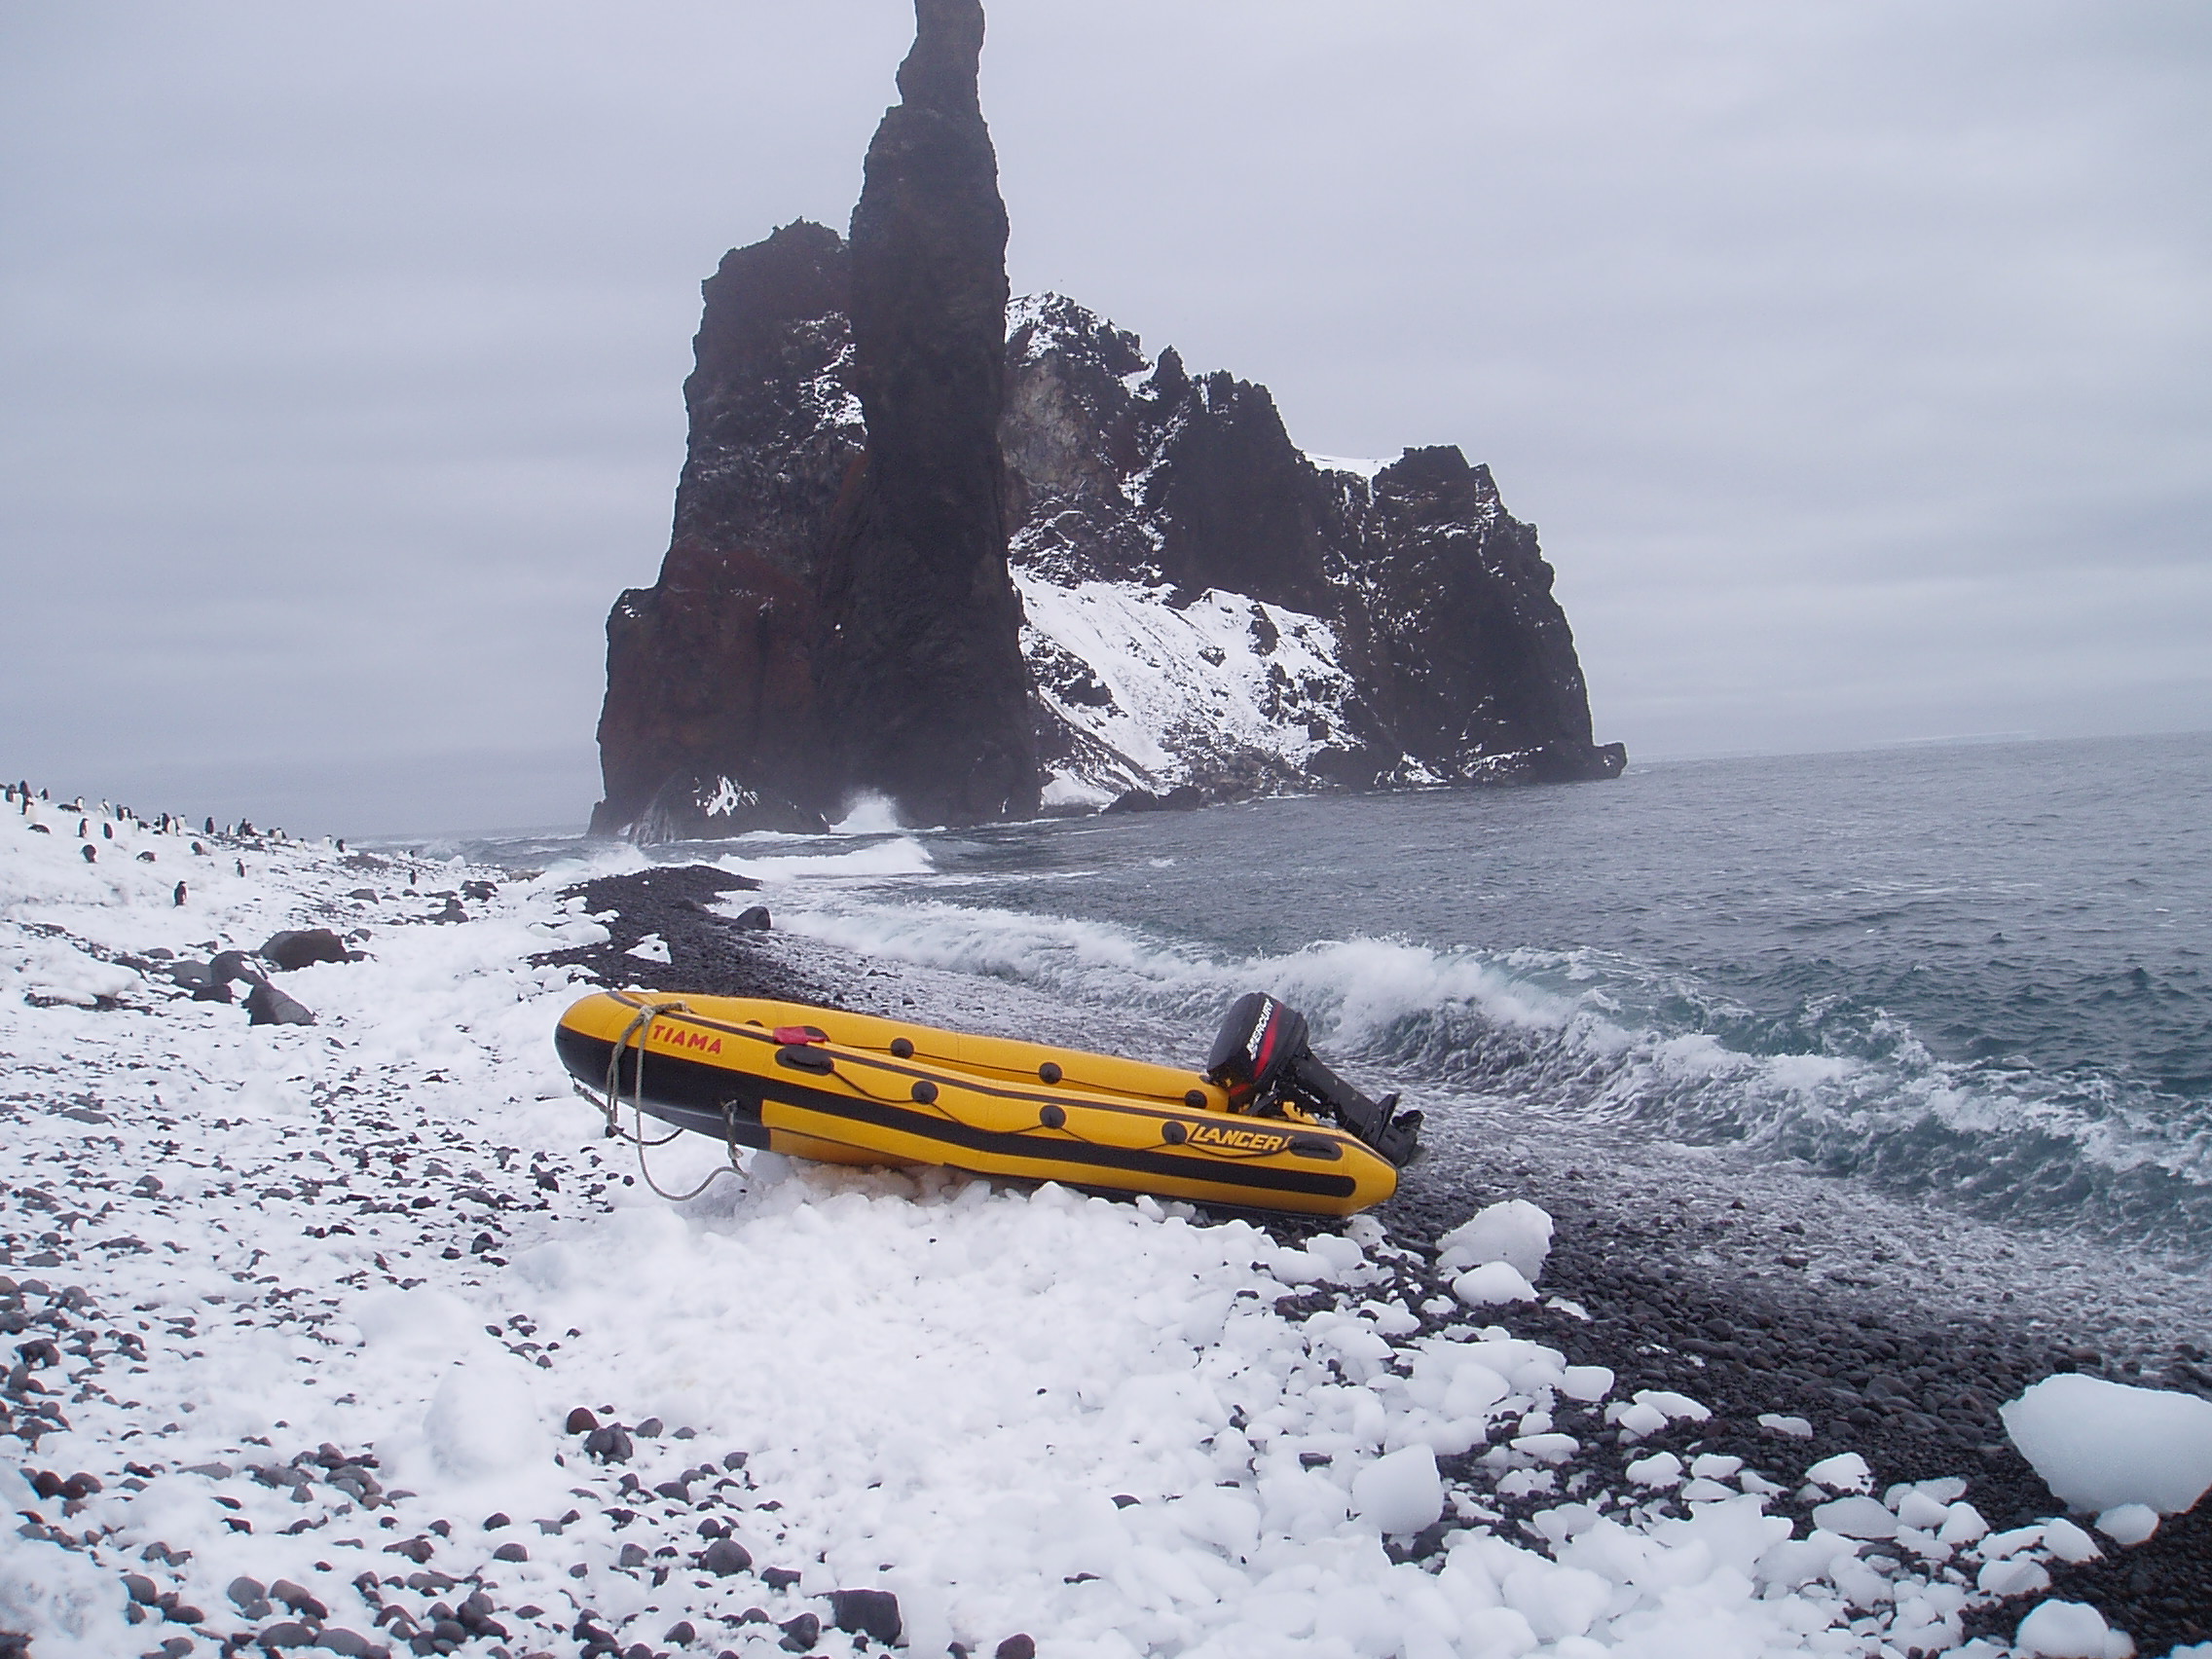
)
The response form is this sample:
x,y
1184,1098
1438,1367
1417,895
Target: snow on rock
x,y
1161,688
2070,1630
2098,1445
1513,1231
74,1608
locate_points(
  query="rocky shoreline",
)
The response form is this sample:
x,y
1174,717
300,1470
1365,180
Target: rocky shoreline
x,y
328,1338
1917,1397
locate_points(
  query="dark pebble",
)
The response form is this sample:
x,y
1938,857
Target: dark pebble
x,y
681,1633
1017,1646
609,1444
801,1634
498,1519
866,1613
299,1598
726,1556
581,1421
510,1552
651,1428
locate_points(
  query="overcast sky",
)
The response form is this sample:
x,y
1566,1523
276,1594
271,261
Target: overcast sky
x,y
1853,356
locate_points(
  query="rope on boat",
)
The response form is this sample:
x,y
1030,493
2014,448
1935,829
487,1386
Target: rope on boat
x,y
642,1028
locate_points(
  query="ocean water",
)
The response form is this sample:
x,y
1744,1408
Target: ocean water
x,y
1982,973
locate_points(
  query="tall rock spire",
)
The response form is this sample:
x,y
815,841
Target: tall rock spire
x,y
921,685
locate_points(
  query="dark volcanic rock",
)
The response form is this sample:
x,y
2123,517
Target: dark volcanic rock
x,y
1465,657
877,440
708,672
919,668
710,953
303,947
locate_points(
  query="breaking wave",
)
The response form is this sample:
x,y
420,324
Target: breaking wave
x,y
1840,1083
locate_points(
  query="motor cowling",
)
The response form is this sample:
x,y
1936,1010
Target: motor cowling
x,y
1258,1039
1260,1058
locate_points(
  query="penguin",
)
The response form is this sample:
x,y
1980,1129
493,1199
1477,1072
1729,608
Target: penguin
x,y
146,857
91,852
198,850
83,828
107,831
241,866
209,828
178,896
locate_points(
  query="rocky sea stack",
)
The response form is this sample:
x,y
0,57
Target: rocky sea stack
x,y
970,556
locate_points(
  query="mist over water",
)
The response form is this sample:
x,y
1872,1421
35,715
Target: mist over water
x,y
1979,972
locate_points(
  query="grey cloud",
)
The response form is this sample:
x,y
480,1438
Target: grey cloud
x,y
1849,356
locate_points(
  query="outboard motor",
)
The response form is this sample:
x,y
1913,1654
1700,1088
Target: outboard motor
x,y
1261,1057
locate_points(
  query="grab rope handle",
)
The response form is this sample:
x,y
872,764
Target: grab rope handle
x,y
640,1028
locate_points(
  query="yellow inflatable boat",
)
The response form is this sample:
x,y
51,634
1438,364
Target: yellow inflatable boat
x,y
1265,1126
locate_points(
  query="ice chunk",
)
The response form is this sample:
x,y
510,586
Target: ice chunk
x,y
1856,1517
1586,1382
1401,1493
1672,1404
1918,1509
1660,1469
2012,1575
2098,1445
1846,1471
1965,1525
2128,1523
1638,1418
2067,1541
1796,1428
1547,1445
1492,1282
2070,1630
1514,1231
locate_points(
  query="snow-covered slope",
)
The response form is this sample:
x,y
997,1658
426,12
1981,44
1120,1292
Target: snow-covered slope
x,y
1207,604
1152,694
